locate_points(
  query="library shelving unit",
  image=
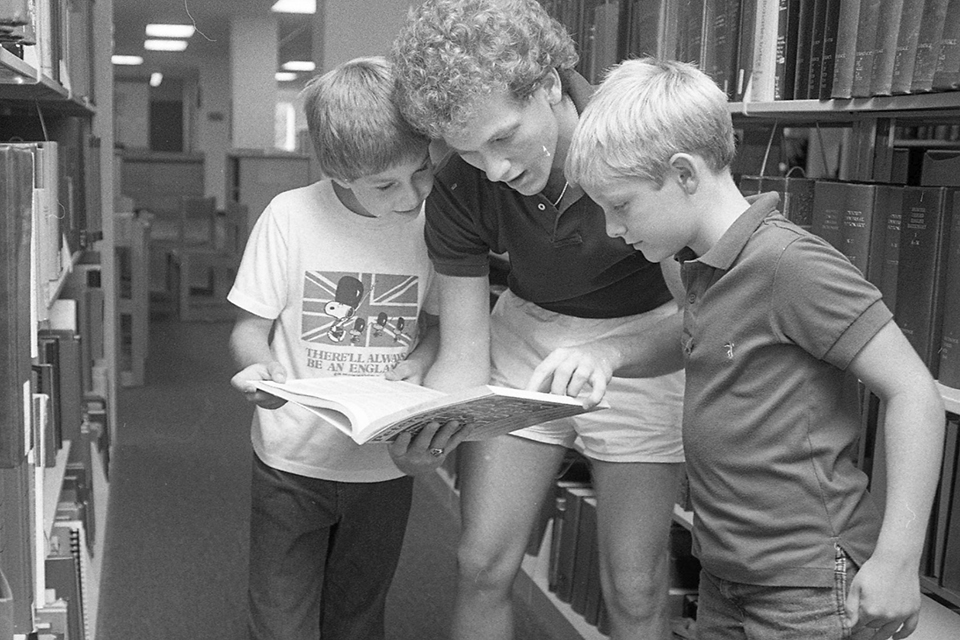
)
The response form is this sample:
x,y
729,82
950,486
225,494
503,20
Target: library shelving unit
x,y
870,124
56,102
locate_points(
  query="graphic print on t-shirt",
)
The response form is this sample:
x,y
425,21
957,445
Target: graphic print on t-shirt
x,y
359,309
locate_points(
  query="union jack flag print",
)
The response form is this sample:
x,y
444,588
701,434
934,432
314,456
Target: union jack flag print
x,y
359,309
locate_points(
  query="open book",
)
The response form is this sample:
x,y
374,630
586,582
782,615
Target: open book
x,y
371,409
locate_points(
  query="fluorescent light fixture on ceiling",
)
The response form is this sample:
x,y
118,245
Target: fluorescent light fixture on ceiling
x,y
295,6
170,30
285,76
126,60
298,65
165,45
156,78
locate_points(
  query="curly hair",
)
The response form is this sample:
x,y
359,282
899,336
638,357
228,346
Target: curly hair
x,y
452,53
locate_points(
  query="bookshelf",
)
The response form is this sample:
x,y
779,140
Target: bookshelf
x,y
56,136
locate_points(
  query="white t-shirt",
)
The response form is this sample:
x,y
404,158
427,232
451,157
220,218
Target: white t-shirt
x,y
347,291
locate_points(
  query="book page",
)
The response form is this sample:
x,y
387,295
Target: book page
x,y
362,399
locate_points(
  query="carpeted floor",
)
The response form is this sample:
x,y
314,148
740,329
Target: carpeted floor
x,y
174,565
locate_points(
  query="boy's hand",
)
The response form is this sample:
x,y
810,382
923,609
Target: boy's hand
x,y
886,598
408,370
244,379
569,370
428,449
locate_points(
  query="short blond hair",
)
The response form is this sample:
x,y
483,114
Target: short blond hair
x,y
354,122
452,53
644,112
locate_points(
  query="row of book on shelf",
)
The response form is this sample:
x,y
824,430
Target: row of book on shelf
x,y
54,37
760,51
55,382
904,239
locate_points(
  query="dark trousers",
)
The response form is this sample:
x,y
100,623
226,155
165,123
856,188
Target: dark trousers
x,y
322,555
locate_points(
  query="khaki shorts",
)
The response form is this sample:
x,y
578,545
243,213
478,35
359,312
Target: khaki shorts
x,y
643,421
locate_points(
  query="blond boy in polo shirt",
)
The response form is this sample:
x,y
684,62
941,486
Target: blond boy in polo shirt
x,y
778,328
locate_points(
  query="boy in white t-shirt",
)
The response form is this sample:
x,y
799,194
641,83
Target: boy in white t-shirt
x,y
335,280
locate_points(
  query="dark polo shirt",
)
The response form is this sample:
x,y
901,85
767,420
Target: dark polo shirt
x,y
773,317
565,262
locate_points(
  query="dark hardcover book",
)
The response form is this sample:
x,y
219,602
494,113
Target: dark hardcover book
x,y
861,230
905,58
594,596
16,216
866,48
804,34
946,75
708,42
584,554
924,238
566,552
831,26
816,48
888,30
70,399
890,215
949,367
690,30
950,571
18,542
940,518
928,45
845,51
828,196
798,196
788,28
726,26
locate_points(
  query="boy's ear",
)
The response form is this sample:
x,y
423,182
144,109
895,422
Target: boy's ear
x,y
552,87
685,171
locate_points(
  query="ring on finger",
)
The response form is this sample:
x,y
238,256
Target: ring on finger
x,y
436,452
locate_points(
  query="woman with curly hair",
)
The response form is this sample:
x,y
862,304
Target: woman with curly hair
x,y
493,80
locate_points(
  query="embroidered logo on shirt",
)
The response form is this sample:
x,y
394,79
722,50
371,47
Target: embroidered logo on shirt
x,y
729,347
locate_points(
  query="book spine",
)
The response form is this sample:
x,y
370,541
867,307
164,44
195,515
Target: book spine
x,y
845,52
906,56
816,48
950,572
949,367
888,29
804,33
940,523
831,27
866,48
856,224
924,233
928,45
788,26
827,211
890,249
946,76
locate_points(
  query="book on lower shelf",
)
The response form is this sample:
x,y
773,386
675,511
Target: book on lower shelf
x,y
372,409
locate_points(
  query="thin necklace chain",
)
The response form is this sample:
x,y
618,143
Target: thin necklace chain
x,y
562,193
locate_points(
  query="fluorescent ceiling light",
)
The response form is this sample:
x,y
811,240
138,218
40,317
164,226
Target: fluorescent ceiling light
x,y
165,45
127,60
285,76
156,78
298,65
170,30
295,6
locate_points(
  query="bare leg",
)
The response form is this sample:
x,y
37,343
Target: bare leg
x,y
503,482
634,507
